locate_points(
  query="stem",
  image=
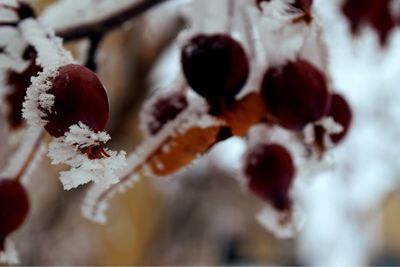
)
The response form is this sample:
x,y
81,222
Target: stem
x,y
109,23
30,156
91,58
10,24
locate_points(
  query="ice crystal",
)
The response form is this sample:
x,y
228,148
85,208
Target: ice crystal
x,y
10,254
67,150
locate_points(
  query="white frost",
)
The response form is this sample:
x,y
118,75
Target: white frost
x,y
9,255
102,171
281,224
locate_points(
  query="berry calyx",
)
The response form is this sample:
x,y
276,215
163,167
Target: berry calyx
x,y
269,170
14,207
216,67
18,83
79,96
295,94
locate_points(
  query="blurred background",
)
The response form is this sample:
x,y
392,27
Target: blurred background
x,y
200,217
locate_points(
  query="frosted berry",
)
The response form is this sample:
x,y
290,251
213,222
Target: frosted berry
x,y
79,97
376,13
270,171
165,109
295,94
18,83
216,67
14,207
341,113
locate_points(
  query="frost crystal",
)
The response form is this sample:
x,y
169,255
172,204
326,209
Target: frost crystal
x,y
281,224
9,255
330,127
51,56
67,149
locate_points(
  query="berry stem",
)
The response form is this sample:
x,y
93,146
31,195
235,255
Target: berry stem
x,y
8,24
102,26
30,156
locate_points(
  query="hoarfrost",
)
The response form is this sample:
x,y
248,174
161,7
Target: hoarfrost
x,y
282,224
66,149
51,56
10,254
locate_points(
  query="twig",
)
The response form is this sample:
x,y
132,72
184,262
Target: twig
x,y
103,26
95,41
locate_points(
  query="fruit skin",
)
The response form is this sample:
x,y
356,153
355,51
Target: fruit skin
x,y
79,96
18,84
295,94
269,170
14,207
215,66
165,109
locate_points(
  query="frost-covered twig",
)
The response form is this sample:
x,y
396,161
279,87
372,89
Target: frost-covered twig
x,y
26,157
104,25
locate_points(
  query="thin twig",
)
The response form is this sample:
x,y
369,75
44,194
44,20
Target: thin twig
x,y
30,156
109,23
95,41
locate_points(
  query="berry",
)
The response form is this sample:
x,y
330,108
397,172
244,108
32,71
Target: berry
x,y
295,94
341,113
270,171
216,67
165,109
18,83
14,207
376,13
79,97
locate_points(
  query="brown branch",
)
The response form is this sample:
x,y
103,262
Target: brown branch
x,y
103,26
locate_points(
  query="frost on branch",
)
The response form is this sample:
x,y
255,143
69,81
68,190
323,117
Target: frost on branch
x,y
172,148
68,150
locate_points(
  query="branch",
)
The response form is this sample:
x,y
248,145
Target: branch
x,y
109,23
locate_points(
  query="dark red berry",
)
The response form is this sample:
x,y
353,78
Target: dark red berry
x,y
295,94
18,82
375,13
215,66
165,109
341,113
79,97
270,171
14,207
